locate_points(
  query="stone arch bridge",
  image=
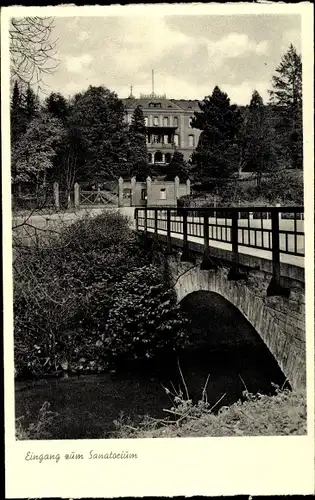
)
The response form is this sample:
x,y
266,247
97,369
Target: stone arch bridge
x,y
279,321
262,276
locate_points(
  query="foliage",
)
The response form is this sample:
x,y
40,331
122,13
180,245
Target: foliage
x,y
144,317
17,114
259,153
287,96
58,106
257,415
138,155
33,153
218,149
177,167
40,429
98,119
69,160
65,294
24,107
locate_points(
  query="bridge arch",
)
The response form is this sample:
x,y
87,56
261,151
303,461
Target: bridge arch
x,y
277,320
217,326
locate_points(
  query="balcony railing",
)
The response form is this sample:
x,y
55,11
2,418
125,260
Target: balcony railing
x,y
162,145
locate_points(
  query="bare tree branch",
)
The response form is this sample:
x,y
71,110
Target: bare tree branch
x,y
32,50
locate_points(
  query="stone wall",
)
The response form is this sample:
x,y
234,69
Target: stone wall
x,y
279,321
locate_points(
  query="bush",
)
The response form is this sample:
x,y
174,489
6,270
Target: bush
x,y
143,317
67,298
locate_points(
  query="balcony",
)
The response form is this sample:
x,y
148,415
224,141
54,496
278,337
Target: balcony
x,y
160,145
159,129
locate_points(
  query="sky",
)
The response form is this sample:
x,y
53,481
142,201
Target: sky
x,y
189,54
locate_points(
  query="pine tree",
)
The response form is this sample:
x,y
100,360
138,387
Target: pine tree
x,y
177,167
17,113
217,153
286,95
138,154
58,106
259,153
31,104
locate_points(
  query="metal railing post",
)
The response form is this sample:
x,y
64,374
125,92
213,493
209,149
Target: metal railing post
x,y
145,224
156,222
185,255
206,263
234,273
168,229
234,237
275,246
275,287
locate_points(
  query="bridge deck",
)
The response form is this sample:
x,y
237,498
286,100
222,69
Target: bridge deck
x,y
285,258
269,234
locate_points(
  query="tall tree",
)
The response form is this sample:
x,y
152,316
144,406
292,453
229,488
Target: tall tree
x,y
286,95
259,153
17,113
217,152
58,106
138,154
31,104
33,154
98,115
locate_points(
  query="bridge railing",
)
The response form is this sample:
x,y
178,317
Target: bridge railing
x,y
275,230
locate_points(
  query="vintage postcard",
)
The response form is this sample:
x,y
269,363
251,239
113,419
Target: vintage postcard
x,y
158,201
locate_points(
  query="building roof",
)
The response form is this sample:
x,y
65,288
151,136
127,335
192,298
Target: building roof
x,y
163,103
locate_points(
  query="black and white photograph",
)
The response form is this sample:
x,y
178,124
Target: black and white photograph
x,y
157,181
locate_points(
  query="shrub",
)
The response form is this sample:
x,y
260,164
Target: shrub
x,y
65,295
40,429
143,317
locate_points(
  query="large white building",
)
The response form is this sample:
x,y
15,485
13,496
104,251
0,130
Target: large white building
x,y
167,124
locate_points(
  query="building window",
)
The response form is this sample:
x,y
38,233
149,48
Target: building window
x,y
163,194
127,193
165,121
155,121
176,140
158,157
190,120
191,141
146,121
175,121
143,194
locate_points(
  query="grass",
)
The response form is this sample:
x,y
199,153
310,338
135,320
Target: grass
x,y
257,415
282,414
40,429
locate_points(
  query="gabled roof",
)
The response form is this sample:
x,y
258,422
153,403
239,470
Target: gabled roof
x,y
187,104
132,103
